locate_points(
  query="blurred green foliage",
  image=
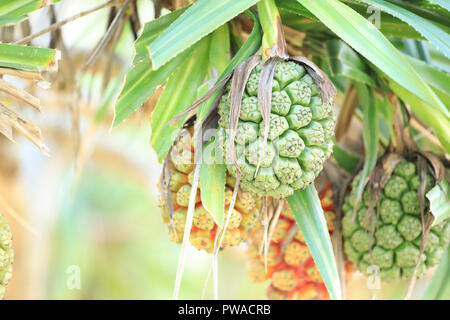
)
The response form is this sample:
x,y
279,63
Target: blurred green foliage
x,y
113,232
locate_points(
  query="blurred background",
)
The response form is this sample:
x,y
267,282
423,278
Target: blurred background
x,y
90,208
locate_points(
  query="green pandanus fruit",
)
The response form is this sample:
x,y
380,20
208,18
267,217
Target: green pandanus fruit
x,y
390,237
244,216
301,129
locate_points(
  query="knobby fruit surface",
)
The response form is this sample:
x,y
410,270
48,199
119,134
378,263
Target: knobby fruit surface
x,y
300,133
244,216
6,255
291,269
390,238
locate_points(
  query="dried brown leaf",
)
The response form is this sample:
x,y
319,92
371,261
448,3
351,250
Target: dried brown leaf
x,y
165,185
348,107
30,75
383,170
320,78
5,127
190,212
265,100
279,205
279,49
426,219
294,37
28,129
436,165
65,21
20,94
238,83
108,34
426,132
402,143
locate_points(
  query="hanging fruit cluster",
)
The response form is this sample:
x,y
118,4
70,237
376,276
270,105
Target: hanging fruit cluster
x,y
389,235
299,134
244,216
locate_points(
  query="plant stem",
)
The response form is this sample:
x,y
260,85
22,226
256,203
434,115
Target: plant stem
x,y
273,42
65,21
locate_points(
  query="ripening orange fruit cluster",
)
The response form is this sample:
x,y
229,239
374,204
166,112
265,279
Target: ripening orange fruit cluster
x,y
291,269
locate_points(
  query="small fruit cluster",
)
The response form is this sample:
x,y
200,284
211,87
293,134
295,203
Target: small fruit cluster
x,y
244,216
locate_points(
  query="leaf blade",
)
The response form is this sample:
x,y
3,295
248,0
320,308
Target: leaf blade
x,y
28,58
439,201
434,34
440,280
363,37
308,212
370,133
18,8
140,83
203,17
346,63
431,117
248,49
151,31
179,93
212,185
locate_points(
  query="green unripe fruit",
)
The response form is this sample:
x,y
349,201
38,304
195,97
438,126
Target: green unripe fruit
x,y
300,133
6,255
395,234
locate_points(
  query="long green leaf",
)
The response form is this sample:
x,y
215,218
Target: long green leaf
x,y
248,49
270,20
434,34
212,173
18,8
345,159
294,7
308,212
28,58
440,281
179,93
339,82
370,132
152,30
345,62
427,10
391,26
212,182
219,51
439,197
438,80
203,17
10,20
386,114
140,83
362,36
